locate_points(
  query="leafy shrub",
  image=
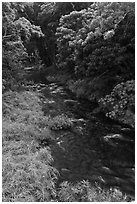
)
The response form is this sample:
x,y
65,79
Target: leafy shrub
x,y
96,46
120,104
79,30
59,122
78,87
18,33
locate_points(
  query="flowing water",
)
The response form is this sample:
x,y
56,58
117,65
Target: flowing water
x,y
94,148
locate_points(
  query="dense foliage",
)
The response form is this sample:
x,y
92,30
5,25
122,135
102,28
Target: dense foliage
x,y
96,46
18,32
120,104
89,47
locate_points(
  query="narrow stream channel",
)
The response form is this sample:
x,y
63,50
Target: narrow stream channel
x,y
94,148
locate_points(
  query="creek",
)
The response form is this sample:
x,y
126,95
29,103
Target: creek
x,y
95,148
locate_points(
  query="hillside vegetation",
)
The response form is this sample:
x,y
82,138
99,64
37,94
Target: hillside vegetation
x,y
88,49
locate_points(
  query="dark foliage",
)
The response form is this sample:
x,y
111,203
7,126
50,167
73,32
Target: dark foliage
x,y
96,47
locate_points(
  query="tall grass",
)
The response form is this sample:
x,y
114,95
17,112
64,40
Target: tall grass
x,y
27,171
83,191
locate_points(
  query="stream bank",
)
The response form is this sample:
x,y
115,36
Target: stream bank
x,y
93,148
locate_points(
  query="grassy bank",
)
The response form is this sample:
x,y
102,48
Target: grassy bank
x,y
27,171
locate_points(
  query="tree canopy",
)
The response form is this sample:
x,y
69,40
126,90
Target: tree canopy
x,y
68,76
93,42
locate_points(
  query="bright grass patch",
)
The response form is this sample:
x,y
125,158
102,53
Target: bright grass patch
x,y
27,171
84,192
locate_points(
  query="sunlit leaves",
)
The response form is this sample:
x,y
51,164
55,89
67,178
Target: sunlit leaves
x,y
17,34
86,28
99,43
27,30
120,104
